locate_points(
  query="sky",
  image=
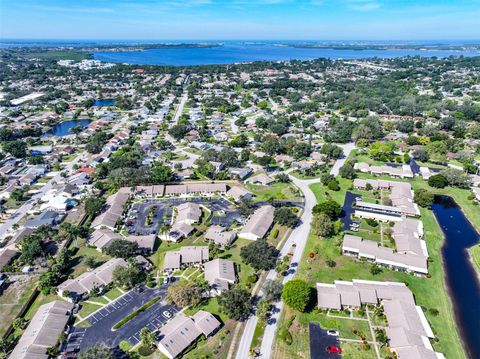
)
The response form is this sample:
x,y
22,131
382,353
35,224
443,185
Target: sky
x,y
241,19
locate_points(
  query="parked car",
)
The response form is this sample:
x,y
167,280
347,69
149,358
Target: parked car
x,y
167,314
332,332
333,349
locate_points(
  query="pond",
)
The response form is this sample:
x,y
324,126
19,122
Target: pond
x,y
63,128
462,279
105,102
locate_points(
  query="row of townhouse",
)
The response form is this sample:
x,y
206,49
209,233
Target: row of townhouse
x,y
408,330
403,171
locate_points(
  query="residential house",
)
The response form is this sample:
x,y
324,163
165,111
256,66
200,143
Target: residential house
x,y
220,236
43,331
182,331
80,287
185,256
258,224
260,179
238,193
220,274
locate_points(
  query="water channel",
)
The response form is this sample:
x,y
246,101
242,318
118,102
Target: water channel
x,y
462,279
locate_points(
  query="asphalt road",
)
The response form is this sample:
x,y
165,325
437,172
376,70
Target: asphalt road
x,y
102,321
298,236
347,148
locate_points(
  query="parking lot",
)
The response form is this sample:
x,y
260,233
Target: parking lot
x,y
101,322
319,341
348,210
164,211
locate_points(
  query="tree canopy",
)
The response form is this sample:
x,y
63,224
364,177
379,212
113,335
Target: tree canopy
x,y
297,294
260,255
236,303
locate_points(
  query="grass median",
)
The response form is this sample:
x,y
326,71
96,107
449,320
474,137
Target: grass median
x,y
132,315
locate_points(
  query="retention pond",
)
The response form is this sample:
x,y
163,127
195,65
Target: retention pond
x,y
462,278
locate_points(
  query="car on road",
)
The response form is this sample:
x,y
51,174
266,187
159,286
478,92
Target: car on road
x,y
333,349
167,314
333,333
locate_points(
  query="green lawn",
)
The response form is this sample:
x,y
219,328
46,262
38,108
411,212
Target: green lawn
x,y
209,305
83,252
322,193
475,253
356,351
87,309
113,294
276,191
13,299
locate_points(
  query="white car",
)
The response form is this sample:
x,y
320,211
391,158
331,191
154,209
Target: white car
x,y
167,314
333,333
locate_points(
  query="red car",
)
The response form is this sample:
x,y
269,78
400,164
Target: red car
x,y
332,349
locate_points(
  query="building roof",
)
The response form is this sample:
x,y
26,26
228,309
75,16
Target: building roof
x,y
6,255
178,334
43,330
115,208
102,275
259,223
192,188
194,254
181,331
144,242
261,178
206,322
188,212
370,249
237,192
102,237
218,271
173,260
219,235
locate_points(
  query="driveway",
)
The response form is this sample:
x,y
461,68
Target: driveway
x,y
319,340
101,323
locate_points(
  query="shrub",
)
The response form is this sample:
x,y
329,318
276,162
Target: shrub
x,y
371,222
333,186
145,351
252,278
125,346
438,181
275,233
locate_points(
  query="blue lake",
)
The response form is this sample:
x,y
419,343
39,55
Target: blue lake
x,y
104,102
63,128
461,277
240,52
